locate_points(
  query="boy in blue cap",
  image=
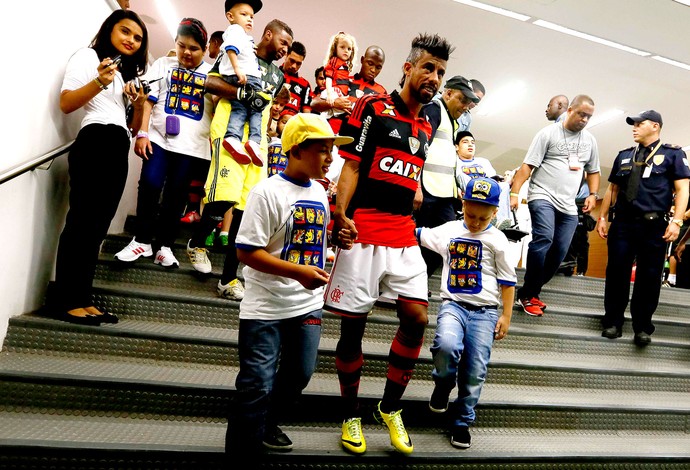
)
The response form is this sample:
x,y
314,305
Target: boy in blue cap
x,y
476,279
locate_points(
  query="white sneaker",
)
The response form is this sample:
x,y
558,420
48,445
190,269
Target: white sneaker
x,y
134,251
165,258
199,259
233,290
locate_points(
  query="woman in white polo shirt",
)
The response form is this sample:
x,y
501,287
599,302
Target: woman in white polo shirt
x,y
98,79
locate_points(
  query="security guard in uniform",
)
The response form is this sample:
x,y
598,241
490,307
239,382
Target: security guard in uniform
x,y
645,181
438,185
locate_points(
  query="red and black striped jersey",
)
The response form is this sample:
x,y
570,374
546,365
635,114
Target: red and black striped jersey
x,y
300,93
360,87
390,145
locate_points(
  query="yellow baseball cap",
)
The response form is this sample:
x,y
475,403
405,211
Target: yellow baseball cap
x,y
308,126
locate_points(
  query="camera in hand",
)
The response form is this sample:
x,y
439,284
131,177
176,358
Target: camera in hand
x,y
139,84
145,84
116,60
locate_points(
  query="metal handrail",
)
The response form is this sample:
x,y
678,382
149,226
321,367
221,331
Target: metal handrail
x,y
35,163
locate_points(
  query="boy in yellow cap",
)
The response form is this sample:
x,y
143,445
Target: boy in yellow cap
x,y
282,242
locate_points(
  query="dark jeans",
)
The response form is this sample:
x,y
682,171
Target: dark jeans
x,y
634,241
266,391
97,176
552,232
168,173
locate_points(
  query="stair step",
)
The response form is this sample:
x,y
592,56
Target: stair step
x,y
177,443
194,299
68,385
217,346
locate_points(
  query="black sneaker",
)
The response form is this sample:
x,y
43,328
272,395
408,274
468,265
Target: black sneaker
x,y
275,439
438,403
461,438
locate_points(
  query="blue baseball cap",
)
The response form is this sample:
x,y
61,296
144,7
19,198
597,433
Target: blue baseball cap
x,y
649,115
484,190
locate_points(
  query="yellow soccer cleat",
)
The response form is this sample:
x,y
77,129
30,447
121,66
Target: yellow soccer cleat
x,y
352,438
399,438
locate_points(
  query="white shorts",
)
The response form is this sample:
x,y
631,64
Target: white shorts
x,y
365,273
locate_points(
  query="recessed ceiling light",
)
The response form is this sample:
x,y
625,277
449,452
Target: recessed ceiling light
x,y
504,97
675,63
493,9
169,15
600,118
589,37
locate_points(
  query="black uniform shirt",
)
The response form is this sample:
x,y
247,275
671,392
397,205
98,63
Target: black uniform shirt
x,y
655,193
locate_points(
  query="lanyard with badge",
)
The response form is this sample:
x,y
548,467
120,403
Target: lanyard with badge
x,y
634,178
573,159
648,167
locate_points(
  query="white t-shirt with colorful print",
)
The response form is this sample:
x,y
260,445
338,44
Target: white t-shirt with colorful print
x,y
288,219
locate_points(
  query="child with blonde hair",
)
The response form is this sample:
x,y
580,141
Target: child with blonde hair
x,y
338,65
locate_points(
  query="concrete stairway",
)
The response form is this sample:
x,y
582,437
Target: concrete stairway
x,y
153,390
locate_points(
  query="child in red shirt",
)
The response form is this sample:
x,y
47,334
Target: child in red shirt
x,y
338,65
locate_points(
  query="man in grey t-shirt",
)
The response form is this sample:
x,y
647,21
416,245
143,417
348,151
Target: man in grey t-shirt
x,y
556,160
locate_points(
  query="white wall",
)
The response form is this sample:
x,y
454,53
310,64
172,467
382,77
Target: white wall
x,y
33,206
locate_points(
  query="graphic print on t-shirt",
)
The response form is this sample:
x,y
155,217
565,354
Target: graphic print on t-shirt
x,y
464,266
306,234
276,162
473,170
186,95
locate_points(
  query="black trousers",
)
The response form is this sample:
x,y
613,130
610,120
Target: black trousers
x,y
579,249
634,241
97,172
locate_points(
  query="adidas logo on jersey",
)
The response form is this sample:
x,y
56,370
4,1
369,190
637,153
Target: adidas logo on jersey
x,y
395,133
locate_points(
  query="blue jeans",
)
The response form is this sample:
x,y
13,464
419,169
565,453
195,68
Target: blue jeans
x,y
461,353
552,232
264,390
241,113
169,173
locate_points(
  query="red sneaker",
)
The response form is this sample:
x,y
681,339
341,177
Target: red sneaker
x,y
191,217
537,301
236,150
531,308
254,152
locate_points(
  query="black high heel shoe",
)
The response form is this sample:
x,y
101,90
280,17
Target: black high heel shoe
x,y
103,316
65,315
